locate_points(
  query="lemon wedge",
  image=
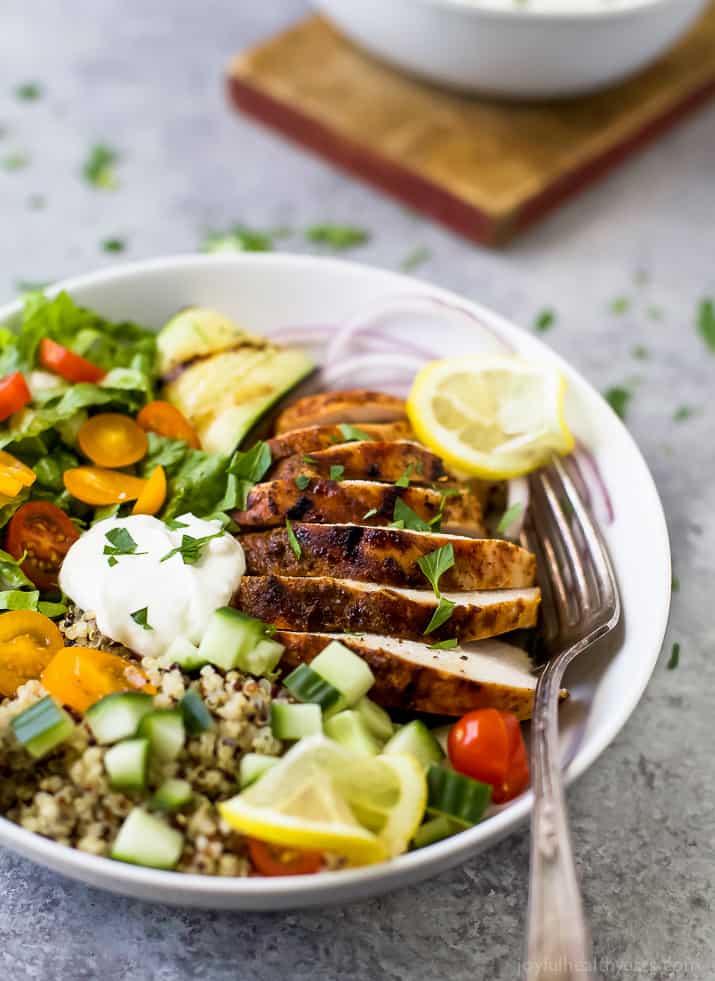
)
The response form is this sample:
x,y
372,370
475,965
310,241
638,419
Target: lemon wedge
x,y
315,796
490,416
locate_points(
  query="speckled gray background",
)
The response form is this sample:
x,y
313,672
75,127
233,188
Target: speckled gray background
x,y
145,76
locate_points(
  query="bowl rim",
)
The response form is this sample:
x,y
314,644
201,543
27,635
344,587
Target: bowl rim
x,y
181,887
531,14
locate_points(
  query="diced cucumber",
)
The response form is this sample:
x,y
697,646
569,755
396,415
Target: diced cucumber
x,y
264,657
441,734
172,795
126,764
145,839
253,766
435,830
229,637
345,671
455,796
307,686
42,726
165,731
289,721
350,730
182,652
197,717
375,718
416,739
117,716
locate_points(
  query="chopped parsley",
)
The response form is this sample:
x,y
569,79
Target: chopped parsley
x,y
413,260
336,471
509,517
120,543
113,245
238,238
15,161
445,645
640,352
618,398
174,524
621,304
141,617
245,470
369,514
443,612
434,566
404,479
28,91
352,434
407,518
293,541
302,481
337,236
706,322
191,549
674,584
682,413
544,321
98,168
674,659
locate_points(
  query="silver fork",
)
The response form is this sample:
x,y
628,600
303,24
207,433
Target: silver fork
x,y
581,604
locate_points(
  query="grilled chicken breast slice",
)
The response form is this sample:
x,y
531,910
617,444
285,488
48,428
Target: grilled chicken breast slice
x,y
410,675
384,462
327,604
312,438
328,408
387,556
358,501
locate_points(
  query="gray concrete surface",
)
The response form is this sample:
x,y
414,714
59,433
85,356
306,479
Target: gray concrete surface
x,y
145,77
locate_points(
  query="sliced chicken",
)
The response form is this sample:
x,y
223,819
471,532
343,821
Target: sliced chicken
x,y
386,555
386,462
327,408
323,603
312,438
410,675
358,501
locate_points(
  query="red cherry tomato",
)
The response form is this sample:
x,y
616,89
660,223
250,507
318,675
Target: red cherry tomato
x,y
279,860
14,394
487,744
45,533
67,364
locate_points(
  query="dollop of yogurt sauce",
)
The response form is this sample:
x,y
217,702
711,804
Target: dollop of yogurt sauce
x,y
179,597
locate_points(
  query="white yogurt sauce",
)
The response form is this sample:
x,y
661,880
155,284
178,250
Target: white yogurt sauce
x,y
179,597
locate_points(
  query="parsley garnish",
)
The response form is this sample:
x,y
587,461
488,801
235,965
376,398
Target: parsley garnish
x,y
408,518
682,413
509,517
404,479
245,470
618,398
238,239
352,434
98,169
415,259
114,245
140,617
434,566
336,471
674,660
620,305
445,645
28,91
440,615
120,543
369,514
174,524
191,548
293,541
302,481
337,236
706,322
544,321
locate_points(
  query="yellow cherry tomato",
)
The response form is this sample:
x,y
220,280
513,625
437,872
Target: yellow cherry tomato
x,y
152,498
28,642
97,486
112,440
10,464
10,485
79,676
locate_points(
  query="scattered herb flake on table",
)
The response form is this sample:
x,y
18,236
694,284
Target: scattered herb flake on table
x,y
706,322
15,161
674,659
28,91
618,398
337,236
621,304
544,321
113,245
98,168
640,352
238,238
674,584
682,413
415,259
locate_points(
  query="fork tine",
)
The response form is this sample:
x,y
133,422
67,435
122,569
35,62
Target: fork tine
x,y
549,620
572,553
561,593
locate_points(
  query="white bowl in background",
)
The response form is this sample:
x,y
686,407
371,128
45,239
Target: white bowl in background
x,y
264,292
535,50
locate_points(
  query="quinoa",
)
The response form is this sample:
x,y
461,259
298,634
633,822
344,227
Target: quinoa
x,y
66,795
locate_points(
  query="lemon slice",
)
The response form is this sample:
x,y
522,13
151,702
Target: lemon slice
x,y
490,416
403,819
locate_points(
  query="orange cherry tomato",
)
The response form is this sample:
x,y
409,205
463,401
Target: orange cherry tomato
x,y
43,533
65,363
112,440
28,642
277,860
14,394
152,498
165,419
10,486
10,463
79,676
97,486
487,744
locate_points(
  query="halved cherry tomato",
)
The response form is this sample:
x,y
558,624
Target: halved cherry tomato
x,y
152,498
97,486
67,364
17,468
14,394
166,420
28,642
112,440
45,533
276,860
79,676
487,744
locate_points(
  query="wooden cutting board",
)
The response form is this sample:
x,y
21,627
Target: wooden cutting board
x,y
486,169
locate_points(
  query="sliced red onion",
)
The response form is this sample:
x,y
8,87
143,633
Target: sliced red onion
x,y
366,369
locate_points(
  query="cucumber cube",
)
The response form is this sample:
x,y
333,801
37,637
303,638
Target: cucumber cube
x,y
253,766
345,671
349,729
289,721
165,731
126,764
144,839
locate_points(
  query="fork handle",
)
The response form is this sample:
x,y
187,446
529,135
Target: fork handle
x,y
558,941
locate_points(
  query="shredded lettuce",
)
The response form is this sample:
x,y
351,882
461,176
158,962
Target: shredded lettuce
x,y
17,592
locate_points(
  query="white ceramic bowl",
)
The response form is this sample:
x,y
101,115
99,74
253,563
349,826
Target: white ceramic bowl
x,y
264,292
541,49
